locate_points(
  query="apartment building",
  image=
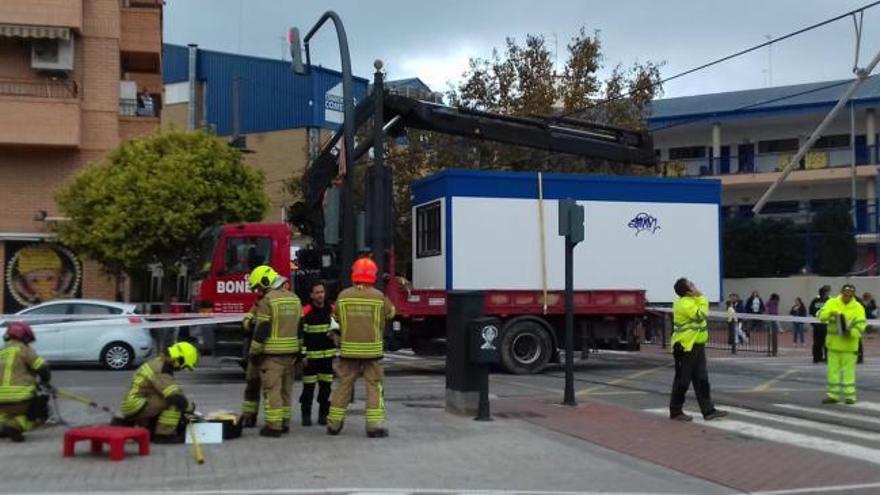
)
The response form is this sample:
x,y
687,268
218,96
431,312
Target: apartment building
x,y
77,78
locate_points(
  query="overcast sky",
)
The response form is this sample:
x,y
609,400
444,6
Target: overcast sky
x,y
433,40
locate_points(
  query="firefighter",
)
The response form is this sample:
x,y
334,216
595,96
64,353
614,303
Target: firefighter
x,y
275,345
319,350
20,406
690,333
251,404
361,311
155,400
842,343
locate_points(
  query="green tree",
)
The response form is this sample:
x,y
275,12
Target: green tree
x,y
835,245
762,248
150,199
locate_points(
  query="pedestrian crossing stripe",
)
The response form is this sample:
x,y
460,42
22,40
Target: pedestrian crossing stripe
x,y
808,424
835,412
778,435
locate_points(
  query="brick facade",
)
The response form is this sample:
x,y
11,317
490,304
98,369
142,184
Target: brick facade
x,y
48,135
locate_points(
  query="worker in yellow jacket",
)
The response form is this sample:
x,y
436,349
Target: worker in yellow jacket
x,y
20,406
845,317
689,337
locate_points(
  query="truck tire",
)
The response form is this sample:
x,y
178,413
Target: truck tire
x,y
526,346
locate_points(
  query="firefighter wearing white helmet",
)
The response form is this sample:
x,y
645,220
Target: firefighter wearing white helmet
x,y
274,346
155,400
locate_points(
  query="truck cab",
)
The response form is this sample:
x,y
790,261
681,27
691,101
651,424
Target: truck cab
x,y
227,254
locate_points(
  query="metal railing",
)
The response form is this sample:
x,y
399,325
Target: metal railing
x,y
771,162
39,88
745,335
130,107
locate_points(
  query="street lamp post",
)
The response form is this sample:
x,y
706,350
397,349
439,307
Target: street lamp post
x,y
347,198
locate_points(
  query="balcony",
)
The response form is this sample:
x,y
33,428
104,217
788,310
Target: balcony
x,y
819,164
141,28
56,13
39,113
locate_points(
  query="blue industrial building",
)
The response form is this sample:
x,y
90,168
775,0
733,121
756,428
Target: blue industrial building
x,y
271,97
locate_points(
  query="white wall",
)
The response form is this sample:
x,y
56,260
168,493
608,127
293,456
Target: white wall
x,y
430,272
496,246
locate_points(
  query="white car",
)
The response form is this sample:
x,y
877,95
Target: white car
x,y
115,343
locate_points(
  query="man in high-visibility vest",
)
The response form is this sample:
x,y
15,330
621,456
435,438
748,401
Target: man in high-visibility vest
x,y
19,368
845,318
275,345
361,311
689,337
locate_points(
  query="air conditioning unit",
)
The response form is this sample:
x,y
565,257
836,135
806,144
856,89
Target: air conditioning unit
x,y
52,54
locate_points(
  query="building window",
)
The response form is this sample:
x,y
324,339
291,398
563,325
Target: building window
x,y
778,145
243,254
428,230
781,207
835,141
687,153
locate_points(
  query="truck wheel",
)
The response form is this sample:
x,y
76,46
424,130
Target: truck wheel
x,y
526,347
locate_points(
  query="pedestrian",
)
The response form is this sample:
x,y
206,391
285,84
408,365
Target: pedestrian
x,y
798,309
155,400
20,406
845,318
732,320
819,329
274,346
773,309
689,336
250,406
361,311
870,306
319,349
754,306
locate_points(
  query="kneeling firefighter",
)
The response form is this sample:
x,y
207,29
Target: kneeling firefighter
x,y
155,400
20,406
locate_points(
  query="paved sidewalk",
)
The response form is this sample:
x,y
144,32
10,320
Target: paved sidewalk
x,y
428,449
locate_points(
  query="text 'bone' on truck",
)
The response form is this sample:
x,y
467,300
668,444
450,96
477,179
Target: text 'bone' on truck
x,y
483,230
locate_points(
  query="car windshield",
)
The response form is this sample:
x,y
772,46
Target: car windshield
x,y
207,247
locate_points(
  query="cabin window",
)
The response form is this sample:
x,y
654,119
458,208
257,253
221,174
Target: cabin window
x,y
428,230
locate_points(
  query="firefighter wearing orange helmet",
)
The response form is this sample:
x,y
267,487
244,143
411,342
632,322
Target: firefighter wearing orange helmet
x,y
361,311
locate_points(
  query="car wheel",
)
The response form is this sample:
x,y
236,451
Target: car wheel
x,y
117,356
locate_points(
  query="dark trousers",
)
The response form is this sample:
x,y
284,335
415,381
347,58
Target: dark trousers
x,y
819,332
690,367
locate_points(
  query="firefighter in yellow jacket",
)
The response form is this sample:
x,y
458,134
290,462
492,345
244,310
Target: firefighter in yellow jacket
x,y
689,336
19,367
361,311
274,347
155,400
845,317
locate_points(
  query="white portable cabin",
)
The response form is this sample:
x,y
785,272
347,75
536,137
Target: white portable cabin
x,y
482,230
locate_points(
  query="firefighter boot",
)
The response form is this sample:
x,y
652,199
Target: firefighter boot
x,y
172,439
323,402
13,434
269,432
248,420
378,433
306,414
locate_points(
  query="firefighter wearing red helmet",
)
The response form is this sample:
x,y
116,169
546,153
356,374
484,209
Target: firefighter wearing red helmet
x,y
20,407
361,311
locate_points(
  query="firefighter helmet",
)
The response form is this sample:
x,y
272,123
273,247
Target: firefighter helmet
x,y
183,355
364,271
20,331
262,277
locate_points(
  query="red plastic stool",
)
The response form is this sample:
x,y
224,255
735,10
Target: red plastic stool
x,y
115,436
